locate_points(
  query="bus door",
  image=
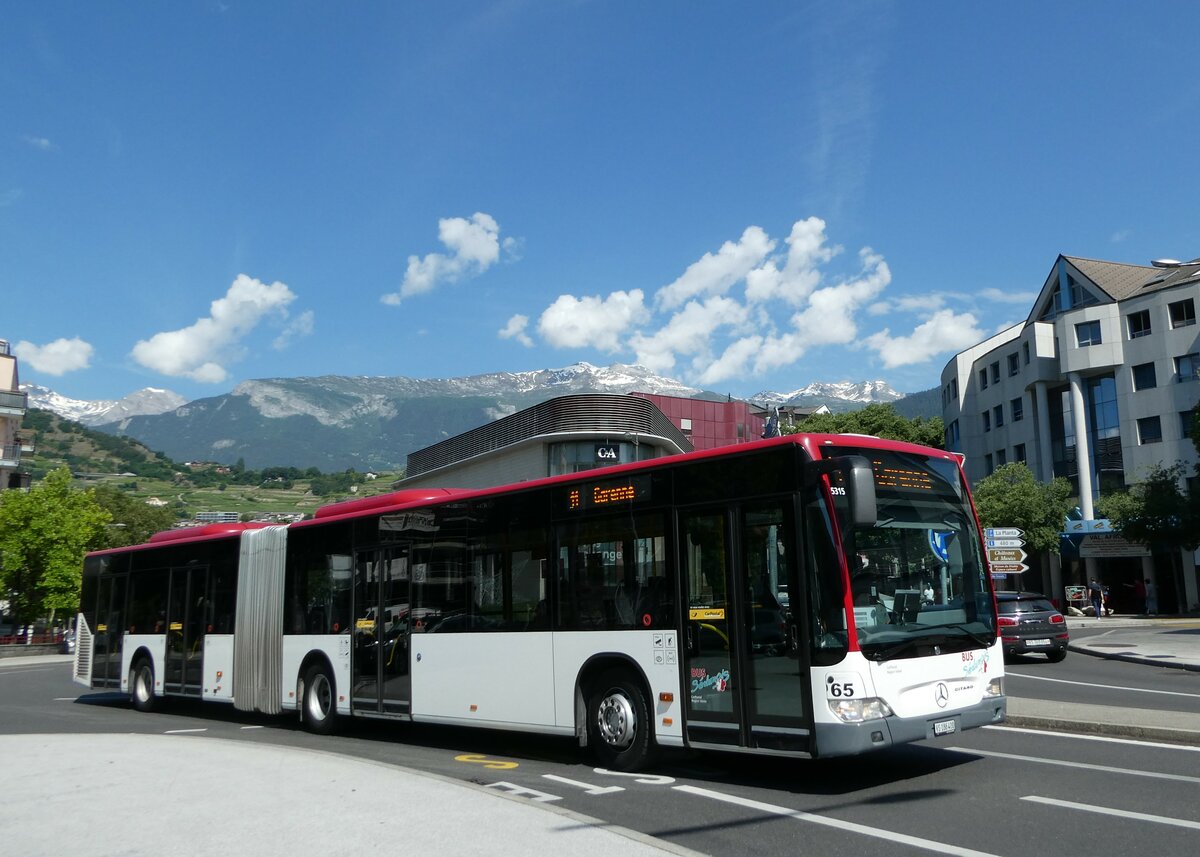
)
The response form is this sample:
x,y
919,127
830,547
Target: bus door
x,y
381,678
186,616
110,630
744,676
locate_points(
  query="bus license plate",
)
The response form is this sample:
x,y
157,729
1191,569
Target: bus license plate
x,y
943,727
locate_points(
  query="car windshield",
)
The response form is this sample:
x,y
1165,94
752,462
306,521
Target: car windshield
x,y
1011,606
917,580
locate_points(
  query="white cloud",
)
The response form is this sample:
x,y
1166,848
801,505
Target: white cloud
x,y
800,274
908,303
474,247
1120,236
301,325
689,331
203,350
515,329
734,362
55,358
572,322
40,143
715,274
945,332
829,318
1008,297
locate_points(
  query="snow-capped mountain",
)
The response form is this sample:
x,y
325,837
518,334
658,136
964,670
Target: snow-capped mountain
x,y
148,401
863,393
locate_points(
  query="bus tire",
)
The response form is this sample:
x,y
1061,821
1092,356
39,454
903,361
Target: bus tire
x,y
320,701
141,686
618,722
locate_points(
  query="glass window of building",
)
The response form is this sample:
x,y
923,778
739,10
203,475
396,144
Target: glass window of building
x,y
1001,457
1144,377
1018,409
1087,333
1149,430
983,378
1107,460
987,421
1183,313
954,388
998,415
1187,367
1187,419
1025,352
1014,364
1019,452
988,465
1139,323
996,372
577,456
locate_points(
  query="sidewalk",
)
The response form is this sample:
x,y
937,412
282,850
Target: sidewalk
x,y
1156,641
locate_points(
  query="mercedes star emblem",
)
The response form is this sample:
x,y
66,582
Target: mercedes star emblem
x,y
941,694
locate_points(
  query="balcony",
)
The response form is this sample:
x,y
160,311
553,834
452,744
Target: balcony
x,y
13,404
10,455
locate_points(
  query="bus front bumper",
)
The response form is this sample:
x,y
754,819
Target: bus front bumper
x,y
848,739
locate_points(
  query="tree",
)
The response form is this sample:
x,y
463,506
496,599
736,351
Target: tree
x,y
44,534
133,522
1012,497
1157,514
880,420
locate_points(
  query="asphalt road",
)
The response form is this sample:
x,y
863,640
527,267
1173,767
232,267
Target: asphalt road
x,y
990,791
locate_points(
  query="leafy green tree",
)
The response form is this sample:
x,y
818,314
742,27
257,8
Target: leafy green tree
x,y
1013,497
1157,514
44,534
133,522
880,420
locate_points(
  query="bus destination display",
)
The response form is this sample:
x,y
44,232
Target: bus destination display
x,y
598,495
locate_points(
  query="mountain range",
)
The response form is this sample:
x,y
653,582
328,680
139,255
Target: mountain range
x,y
371,423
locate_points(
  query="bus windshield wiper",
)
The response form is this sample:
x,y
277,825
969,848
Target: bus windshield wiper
x,y
981,640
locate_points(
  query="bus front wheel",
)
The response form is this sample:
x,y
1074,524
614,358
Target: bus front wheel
x,y
320,707
141,686
618,722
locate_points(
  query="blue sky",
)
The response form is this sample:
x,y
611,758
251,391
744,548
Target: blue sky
x,y
193,194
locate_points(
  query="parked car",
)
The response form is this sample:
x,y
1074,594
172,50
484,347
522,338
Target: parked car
x,y
67,644
1030,623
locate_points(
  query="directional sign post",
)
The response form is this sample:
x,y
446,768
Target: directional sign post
x,y
1008,567
1005,543
1006,555
1005,550
1003,533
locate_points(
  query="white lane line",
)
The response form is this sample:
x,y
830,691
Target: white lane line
x,y
65,698
183,731
588,788
252,727
1133,772
1120,813
849,826
1102,686
1101,738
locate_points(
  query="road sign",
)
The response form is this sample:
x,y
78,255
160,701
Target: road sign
x,y
1005,543
1008,567
1006,554
1003,533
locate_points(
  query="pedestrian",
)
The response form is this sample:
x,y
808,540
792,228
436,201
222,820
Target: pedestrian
x,y
1139,594
1097,594
1151,598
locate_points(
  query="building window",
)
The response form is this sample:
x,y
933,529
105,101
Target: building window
x,y
1019,452
954,387
1001,457
952,436
1183,313
685,425
988,465
996,372
987,421
998,415
1187,367
1018,409
983,379
1149,430
1025,351
1144,377
1187,419
1014,364
1139,323
1087,333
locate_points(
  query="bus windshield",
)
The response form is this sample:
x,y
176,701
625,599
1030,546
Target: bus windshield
x,y
917,581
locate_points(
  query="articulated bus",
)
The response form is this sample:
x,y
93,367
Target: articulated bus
x,y
807,596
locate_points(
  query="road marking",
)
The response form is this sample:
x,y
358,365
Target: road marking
x,y
645,779
1103,686
65,698
588,788
486,761
183,731
252,727
849,826
1133,772
521,791
1120,813
1102,738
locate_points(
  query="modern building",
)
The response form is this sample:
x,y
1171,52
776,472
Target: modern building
x,y
1097,385
13,404
582,432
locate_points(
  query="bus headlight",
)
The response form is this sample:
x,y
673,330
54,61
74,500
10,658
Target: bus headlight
x,y
859,710
995,687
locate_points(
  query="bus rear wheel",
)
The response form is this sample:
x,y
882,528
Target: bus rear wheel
x,y
141,686
618,722
320,707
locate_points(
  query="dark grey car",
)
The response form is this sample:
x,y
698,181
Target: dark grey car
x,y
1030,623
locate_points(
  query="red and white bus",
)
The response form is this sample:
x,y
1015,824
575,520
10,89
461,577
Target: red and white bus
x,y
809,595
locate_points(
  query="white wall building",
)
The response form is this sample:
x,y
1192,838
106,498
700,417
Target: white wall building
x,y
1110,347
12,409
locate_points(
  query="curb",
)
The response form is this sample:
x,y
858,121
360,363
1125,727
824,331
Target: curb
x,y
1115,730
1133,659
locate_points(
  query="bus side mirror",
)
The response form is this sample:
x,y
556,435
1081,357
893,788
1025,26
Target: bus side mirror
x,y
852,476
